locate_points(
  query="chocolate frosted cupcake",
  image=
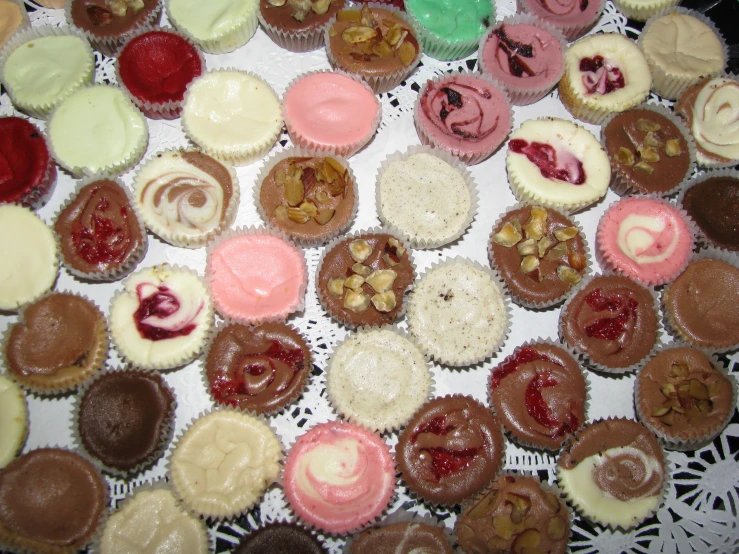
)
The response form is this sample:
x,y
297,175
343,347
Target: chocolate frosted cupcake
x,y
403,533
711,202
296,26
280,537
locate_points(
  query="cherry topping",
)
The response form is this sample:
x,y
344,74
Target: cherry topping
x,y
448,462
544,156
436,426
535,404
103,241
163,303
610,328
514,361
600,76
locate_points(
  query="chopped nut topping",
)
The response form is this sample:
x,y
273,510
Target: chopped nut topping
x,y
559,250
324,216
322,197
383,49
359,250
556,528
527,247
624,156
301,9
297,215
508,236
362,270
336,287
309,208
359,33
349,15
280,213
395,243
568,275
388,260
672,148
384,302
544,245
294,189
652,140
276,3
406,53
566,234
648,153
644,166
577,261
356,301
354,282
646,125
118,7
536,226
321,6
529,264
382,280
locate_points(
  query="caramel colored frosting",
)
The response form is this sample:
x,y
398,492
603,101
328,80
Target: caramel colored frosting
x,y
98,230
291,20
280,537
612,320
10,19
97,17
451,448
51,500
539,394
702,304
257,368
402,538
514,512
713,204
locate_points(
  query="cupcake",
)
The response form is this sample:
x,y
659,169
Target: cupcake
x,y
378,378
450,29
280,537
465,114
256,275
613,472
403,531
30,263
97,130
645,238
60,342
450,450
642,10
338,461
426,195
330,113
13,420
161,318
295,26
309,198
604,74
216,26
232,115
682,47
185,196
525,55
573,18
154,67
257,369
540,395
374,43
555,163
31,173
683,398
14,19
611,321
550,255
709,202
100,236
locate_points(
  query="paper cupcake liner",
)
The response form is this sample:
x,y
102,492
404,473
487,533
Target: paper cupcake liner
x,y
515,297
175,359
288,402
134,258
298,152
667,472
196,508
21,37
620,182
36,384
302,40
164,440
523,95
357,235
702,240
222,43
692,441
378,83
284,521
474,156
641,11
306,143
181,239
109,46
610,263
584,357
411,235
666,84
571,31
155,110
233,154
397,423
299,306
511,433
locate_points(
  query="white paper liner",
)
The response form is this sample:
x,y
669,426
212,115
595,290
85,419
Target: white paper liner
x,y
511,433
133,259
612,261
467,155
21,37
571,31
164,439
403,301
666,84
391,425
378,83
641,10
247,319
515,297
177,358
302,40
298,152
26,419
108,46
71,382
181,239
234,154
283,522
583,356
620,182
693,441
523,95
156,110
667,471
225,42
345,150
412,235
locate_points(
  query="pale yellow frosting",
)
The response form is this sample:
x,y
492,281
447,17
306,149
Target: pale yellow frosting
x,y
213,18
13,420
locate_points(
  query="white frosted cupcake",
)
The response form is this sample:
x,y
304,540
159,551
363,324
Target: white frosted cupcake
x,y
641,10
217,26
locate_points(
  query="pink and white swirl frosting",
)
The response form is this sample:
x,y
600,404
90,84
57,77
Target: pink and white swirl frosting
x,y
715,123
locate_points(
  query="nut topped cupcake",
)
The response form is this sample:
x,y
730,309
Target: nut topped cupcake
x,y
298,26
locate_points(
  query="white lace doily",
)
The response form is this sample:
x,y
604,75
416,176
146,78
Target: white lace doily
x,y
700,512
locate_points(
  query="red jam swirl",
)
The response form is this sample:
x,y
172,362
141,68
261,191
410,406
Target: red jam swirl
x,y
162,303
610,328
103,241
514,361
444,461
601,76
563,166
515,51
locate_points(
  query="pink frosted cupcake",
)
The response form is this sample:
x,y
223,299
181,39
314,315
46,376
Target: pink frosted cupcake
x,y
339,477
573,17
645,238
466,114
